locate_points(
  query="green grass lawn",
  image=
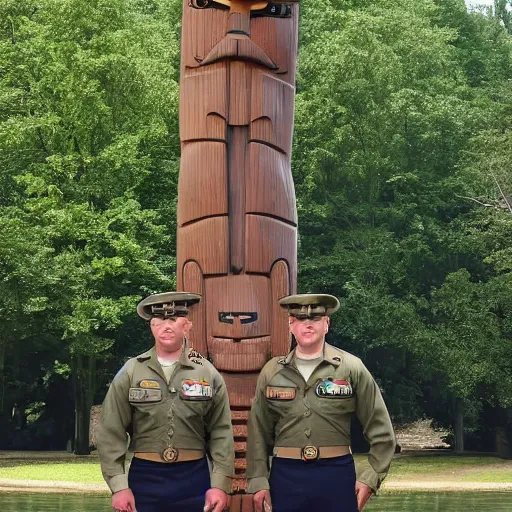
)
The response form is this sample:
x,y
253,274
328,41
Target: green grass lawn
x,y
76,471
447,468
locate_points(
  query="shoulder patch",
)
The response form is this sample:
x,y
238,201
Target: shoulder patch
x,y
196,361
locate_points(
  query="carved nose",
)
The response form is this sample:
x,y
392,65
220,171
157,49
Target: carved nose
x,y
239,23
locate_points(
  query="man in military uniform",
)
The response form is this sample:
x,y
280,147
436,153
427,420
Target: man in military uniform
x,y
301,416
174,405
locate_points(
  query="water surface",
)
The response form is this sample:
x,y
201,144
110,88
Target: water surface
x,y
488,501
396,502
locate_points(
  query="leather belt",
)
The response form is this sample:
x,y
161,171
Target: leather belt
x,y
171,455
311,452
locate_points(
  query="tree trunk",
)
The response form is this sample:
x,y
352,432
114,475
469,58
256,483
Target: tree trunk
x,y
504,433
459,425
504,442
2,377
83,382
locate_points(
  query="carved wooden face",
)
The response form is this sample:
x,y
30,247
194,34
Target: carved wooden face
x,y
238,306
236,210
265,33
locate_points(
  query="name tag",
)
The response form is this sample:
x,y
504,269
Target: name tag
x,y
280,393
147,383
334,388
194,389
141,395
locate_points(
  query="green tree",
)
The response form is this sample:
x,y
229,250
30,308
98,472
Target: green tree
x,y
391,97
88,127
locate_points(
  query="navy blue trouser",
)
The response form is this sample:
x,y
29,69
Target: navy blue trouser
x,y
178,487
326,485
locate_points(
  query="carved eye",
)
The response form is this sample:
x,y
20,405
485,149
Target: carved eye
x,y
200,4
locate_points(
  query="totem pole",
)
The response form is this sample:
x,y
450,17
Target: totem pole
x,y
237,220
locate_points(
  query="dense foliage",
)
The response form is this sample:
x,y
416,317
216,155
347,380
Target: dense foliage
x,y
403,138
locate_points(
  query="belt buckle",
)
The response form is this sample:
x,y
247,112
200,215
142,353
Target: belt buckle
x,y
170,454
309,453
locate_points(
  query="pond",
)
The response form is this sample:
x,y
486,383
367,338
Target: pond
x,y
395,502
442,502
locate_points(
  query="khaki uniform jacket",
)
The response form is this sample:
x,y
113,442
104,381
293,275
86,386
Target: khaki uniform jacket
x,y
191,412
287,411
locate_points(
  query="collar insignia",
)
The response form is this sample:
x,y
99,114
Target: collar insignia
x,y
194,353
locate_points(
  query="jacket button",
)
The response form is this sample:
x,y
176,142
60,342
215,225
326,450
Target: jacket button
x,y
307,432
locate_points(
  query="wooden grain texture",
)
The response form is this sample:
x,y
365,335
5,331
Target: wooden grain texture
x,y
246,355
240,431
247,503
204,103
237,220
249,51
282,284
239,294
235,503
278,39
271,240
237,149
269,184
241,464
193,281
239,416
240,447
224,49
205,242
202,30
239,22
272,108
238,46
241,502
239,485
239,95
241,388
203,181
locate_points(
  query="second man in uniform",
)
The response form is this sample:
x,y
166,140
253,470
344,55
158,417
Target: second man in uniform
x,y
301,416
